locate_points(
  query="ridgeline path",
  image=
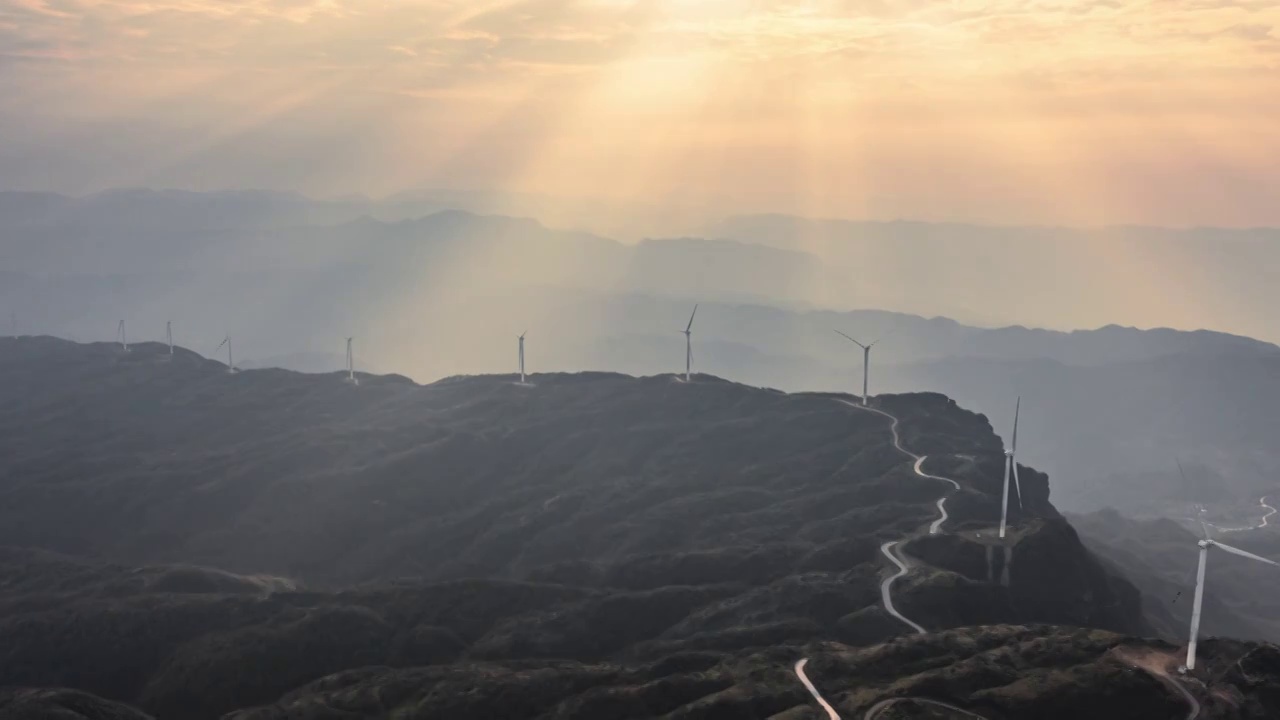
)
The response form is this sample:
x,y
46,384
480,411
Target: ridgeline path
x,y
831,712
891,551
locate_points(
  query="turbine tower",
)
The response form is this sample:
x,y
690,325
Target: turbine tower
x,y
122,338
168,335
351,364
866,360
231,363
526,332
1011,464
1204,545
688,347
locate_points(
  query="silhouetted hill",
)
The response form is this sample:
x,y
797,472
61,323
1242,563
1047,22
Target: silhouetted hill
x,y
303,475
485,649
61,704
195,542
996,672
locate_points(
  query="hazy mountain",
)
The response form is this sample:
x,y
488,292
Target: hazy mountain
x,y
1107,411
592,541
984,275
1242,597
444,294
1059,277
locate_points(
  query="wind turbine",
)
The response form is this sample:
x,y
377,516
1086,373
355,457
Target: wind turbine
x,y
351,364
526,332
168,335
1204,545
121,338
231,363
866,360
1011,463
688,347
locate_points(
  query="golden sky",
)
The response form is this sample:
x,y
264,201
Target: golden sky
x,y
1045,111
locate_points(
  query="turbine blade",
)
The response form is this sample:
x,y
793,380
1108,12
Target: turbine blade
x,y
1243,553
691,317
886,336
1181,472
225,340
1017,408
1016,484
1004,499
855,342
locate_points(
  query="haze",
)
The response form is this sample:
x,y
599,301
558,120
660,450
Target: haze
x,y
1012,137
1010,111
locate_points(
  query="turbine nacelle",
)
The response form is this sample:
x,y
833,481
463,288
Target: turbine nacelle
x,y
1198,604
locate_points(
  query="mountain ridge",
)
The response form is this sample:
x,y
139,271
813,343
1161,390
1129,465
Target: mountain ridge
x,y
728,518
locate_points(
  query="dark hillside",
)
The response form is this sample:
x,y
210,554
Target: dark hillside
x,y
142,458
195,542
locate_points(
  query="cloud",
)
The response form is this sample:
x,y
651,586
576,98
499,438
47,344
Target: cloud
x,y
638,82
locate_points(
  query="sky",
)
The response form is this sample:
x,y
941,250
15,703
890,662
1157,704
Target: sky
x,y
1011,111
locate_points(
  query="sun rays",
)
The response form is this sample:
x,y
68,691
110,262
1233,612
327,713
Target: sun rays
x,y
1007,111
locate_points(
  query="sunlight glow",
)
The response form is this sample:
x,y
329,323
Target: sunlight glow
x,y
1008,111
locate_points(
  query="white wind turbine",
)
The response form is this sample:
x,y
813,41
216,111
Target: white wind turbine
x,y
121,337
1011,464
688,347
866,360
521,339
231,363
1205,544
351,364
168,335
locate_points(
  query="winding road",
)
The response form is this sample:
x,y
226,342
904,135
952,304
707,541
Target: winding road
x,y
831,712
918,468
891,551
1155,664
1265,520
883,705
886,587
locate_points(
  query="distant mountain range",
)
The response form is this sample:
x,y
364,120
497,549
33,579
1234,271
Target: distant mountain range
x,y
1061,277
1159,556
979,274
1108,410
194,542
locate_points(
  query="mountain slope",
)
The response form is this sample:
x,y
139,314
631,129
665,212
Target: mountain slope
x,y
1160,557
146,458
591,518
